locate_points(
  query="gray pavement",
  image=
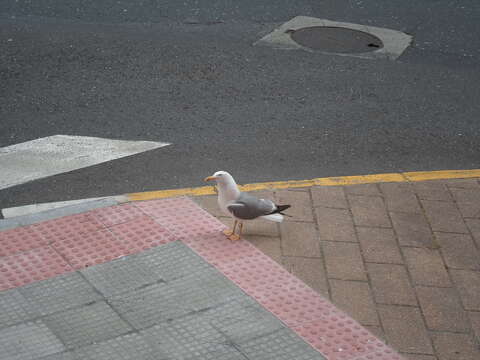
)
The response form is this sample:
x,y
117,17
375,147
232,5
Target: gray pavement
x,y
187,73
164,303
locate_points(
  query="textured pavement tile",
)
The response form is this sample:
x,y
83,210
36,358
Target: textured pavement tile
x,y
126,347
400,197
171,261
242,320
149,305
120,275
405,329
302,206
29,340
450,346
310,271
160,302
412,230
442,309
66,355
329,196
343,261
459,251
335,224
475,320
432,190
269,246
191,337
474,227
390,284
13,308
363,189
369,211
426,267
379,245
354,298
468,285
280,345
87,324
299,239
444,216
57,294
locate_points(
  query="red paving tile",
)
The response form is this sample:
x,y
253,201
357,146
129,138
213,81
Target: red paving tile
x,y
68,226
92,248
20,239
34,265
117,214
142,234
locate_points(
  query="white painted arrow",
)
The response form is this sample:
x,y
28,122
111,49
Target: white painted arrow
x,y
57,154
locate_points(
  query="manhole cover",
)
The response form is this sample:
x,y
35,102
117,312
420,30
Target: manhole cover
x,y
336,39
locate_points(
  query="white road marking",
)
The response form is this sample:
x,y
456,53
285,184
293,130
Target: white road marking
x,y
57,154
36,208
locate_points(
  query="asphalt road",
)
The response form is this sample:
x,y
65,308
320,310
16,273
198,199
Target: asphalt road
x,y
186,73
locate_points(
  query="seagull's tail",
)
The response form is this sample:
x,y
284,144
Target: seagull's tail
x,y
273,217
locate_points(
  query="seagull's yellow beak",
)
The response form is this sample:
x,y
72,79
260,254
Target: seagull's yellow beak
x,y
210,178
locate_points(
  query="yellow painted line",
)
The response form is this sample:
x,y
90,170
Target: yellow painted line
x,y
328,181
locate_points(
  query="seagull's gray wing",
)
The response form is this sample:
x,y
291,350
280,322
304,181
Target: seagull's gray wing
x,y
249,207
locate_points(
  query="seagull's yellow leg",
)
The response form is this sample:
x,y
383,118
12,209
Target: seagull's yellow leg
x,y
229,232
234,236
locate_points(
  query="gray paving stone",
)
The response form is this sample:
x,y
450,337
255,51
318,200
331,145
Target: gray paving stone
x,y
171,261
164,301
13,308
127,347
58,294
87,324
191,337
280,345
150,305
66,355
29,340
119,276
242,320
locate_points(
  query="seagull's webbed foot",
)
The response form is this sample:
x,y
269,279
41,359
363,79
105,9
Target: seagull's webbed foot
x,y
228,232
234,237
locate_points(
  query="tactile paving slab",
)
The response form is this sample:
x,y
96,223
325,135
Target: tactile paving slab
x,y
26,341
20,239
33,265
86,324
13,308
116,214
59,293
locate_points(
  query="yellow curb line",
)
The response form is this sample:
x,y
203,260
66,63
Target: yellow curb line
x,y
328,181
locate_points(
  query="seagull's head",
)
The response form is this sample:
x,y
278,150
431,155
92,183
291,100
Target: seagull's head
x,y
221,177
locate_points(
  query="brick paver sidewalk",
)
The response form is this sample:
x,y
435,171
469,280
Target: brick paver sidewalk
x,y
401,258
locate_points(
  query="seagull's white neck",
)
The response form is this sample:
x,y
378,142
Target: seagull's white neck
x,y
228,189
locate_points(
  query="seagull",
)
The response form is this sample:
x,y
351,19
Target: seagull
x,y
242,206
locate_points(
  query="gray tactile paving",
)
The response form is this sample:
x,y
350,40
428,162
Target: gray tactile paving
x,y
119,276
13,308
60,356
243,319
150,305
160,302
87,324
127,347
280,345
171,261
58,294
204,289
191,337
28,341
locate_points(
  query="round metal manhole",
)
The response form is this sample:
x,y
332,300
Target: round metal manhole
x,y
336,39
